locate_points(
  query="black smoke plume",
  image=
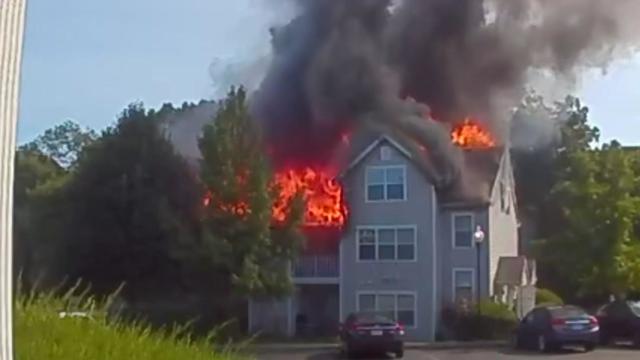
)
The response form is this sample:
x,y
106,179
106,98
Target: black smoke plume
x,y
415,67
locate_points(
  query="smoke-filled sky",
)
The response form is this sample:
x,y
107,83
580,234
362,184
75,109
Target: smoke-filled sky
x,y
87,60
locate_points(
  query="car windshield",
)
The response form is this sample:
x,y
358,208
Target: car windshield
x,y
635,307
566,312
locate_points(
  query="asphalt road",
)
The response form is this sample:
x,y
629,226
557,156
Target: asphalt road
x,y
466,354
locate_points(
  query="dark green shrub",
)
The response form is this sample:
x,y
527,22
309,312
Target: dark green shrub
x,y
547,297
485,321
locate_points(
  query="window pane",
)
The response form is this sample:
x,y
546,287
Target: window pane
x,y
406,252
386,252
367,303
375,192
405,302
405,236
367,236
375,176
464,293
367,252
395,176
464,279
463,238
463,222
395,192
386,236
405,317
387,305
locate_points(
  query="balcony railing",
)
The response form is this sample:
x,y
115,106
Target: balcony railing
x,y
316,266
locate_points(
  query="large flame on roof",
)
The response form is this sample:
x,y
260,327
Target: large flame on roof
x,y
321,192
471,135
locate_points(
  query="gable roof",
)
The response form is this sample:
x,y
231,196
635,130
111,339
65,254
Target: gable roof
x,y
474,187
372,146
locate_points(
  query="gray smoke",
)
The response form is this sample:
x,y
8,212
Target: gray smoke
x,y
344,64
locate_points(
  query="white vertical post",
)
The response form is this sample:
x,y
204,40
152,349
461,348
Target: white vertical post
x,y
11,32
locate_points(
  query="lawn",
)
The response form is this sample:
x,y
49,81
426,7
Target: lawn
x,y
41,332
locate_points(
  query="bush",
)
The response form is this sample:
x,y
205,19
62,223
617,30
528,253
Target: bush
x,y
42,332
485,321
547,297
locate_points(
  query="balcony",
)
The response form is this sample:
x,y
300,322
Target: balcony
x,y
316,267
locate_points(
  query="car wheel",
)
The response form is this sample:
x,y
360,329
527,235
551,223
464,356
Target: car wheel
x,y
399,354
589,347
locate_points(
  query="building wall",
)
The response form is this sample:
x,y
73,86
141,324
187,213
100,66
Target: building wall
x,y
415,277
11,34
271,316
503,221
450,258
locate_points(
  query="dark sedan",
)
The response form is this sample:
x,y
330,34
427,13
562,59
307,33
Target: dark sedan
x,y
549,328
371,332
620,320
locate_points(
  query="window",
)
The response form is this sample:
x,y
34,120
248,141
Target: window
x,y
462,230
400,307
367,244
385,183
387,243
463,285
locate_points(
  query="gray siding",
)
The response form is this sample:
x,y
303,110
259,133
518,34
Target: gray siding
x,y
503,222
450,258
415,277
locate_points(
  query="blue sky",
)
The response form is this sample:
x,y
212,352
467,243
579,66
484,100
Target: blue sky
x,y
86,60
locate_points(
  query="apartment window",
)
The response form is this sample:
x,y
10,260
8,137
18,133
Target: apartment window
x,y
367,244
387,243
400,307
386,183
463,285
462,230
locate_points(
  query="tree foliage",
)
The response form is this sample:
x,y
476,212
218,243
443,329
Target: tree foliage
x,y
238,219
63,143
133,208
597,251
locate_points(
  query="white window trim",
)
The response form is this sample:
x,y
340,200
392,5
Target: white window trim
x,y
453,228
454,286
384,167
396,294
376,228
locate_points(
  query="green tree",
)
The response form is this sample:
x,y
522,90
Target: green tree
x,y
37,179
597,251
63,142
134,208
244,243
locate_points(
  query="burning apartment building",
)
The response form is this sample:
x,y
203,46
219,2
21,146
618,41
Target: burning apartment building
x,y
393,120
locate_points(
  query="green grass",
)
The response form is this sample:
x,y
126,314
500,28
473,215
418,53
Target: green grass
x,y
40,333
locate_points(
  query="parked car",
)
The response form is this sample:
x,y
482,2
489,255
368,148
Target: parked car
x,y
548,328
371,332
620,320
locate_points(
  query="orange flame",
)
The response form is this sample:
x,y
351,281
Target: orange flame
x,y
321,193
470,135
